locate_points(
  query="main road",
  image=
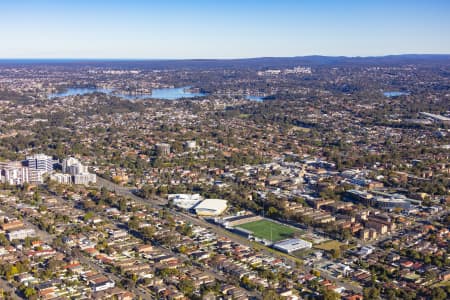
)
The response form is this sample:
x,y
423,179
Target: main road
x,y
7,288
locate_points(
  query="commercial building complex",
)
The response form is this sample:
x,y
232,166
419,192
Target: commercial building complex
x,y
32,170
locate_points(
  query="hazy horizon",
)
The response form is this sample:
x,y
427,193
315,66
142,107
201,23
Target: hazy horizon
x,y
211,58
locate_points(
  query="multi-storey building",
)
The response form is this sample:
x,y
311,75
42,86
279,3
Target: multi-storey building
x,y
14,173
40,162
80,173
162,149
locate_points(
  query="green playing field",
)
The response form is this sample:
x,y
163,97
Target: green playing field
x,y
269,230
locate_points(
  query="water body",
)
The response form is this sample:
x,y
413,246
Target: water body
x,y
79,91
166,93
174,93
395,94
254,98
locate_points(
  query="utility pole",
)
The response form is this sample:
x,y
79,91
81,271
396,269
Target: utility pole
x,y
264,206
271,238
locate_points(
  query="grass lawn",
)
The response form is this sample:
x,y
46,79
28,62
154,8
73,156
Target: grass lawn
x,y
299,128
244,116
302,253
442,284
327,246
412,276
266,229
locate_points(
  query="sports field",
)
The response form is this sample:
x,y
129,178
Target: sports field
x,y
269,230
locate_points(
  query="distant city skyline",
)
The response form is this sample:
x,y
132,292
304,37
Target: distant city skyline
x,y
175,29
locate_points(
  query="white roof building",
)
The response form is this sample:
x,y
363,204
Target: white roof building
x,y
21,234
292,245
365,250
185,201
211,207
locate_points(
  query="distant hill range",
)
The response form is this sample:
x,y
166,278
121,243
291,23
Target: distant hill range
x,y
244,63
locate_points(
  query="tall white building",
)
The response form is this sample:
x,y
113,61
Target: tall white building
x,y
61,178
80,173
73,166
40,162
14,173
85,179
36,176
162,149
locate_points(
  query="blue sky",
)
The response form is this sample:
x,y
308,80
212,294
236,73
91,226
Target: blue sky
x,y
221,29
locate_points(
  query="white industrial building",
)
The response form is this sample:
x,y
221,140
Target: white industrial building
x,y
393,203
190,145
21,234
211,207
365,250
292,245
101,286
185,201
